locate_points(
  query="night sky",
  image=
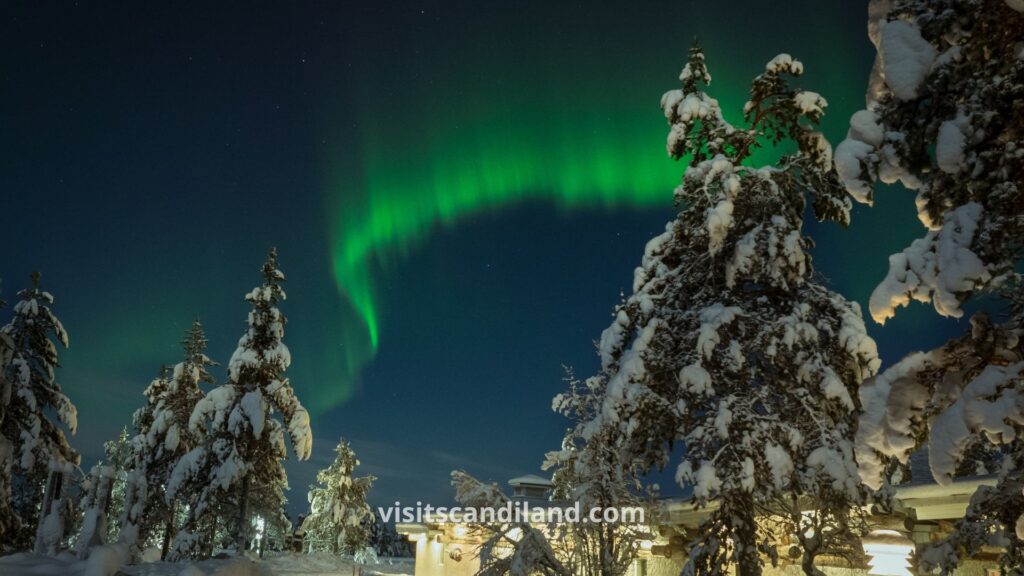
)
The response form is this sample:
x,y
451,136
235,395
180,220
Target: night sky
x,y
458,193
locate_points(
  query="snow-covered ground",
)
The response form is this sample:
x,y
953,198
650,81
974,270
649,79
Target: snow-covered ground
x,y
103,564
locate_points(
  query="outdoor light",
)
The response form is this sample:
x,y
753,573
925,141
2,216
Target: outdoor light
x,y
460,531
890,553
646,545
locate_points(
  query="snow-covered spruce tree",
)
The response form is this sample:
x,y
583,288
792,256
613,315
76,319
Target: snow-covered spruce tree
x,y
142,419
954,399
95,503
386,540
134,524
121,455
163,436
727,345
338,508
243,454
945,117
593,473
32,441
102,495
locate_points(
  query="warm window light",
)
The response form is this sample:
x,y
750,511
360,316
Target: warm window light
x,y
890,553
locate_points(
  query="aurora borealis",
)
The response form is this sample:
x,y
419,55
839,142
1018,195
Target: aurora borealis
x,y
459,192
560,133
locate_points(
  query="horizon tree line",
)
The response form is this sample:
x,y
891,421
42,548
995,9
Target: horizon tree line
x,y
200,466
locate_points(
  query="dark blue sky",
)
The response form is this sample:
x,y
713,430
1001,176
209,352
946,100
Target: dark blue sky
x,y
150,153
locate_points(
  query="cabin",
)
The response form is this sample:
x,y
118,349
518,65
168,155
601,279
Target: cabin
x,y
530,487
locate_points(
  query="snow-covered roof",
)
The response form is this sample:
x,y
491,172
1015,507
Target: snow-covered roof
x,y
530,480
928,499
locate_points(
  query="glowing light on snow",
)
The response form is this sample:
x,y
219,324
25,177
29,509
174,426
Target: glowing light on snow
x,y
890,553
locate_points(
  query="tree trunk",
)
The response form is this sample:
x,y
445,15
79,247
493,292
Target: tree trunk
x,y
748,562
46,543
807,564
168,530
243,515
607,556
209,535
810,545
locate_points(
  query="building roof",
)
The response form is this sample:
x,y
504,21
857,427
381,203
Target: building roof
x,y
530,480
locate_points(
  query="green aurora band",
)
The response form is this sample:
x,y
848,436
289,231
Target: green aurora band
x,y
430,163
499,163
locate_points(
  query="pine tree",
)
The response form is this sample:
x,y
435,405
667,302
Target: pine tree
x,y
96,497
339,514
962,400
32,441
241,460
728,347
589,470
135,525
944,117
385,539
120,455
164,435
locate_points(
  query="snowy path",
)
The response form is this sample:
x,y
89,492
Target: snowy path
x,y
283,565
